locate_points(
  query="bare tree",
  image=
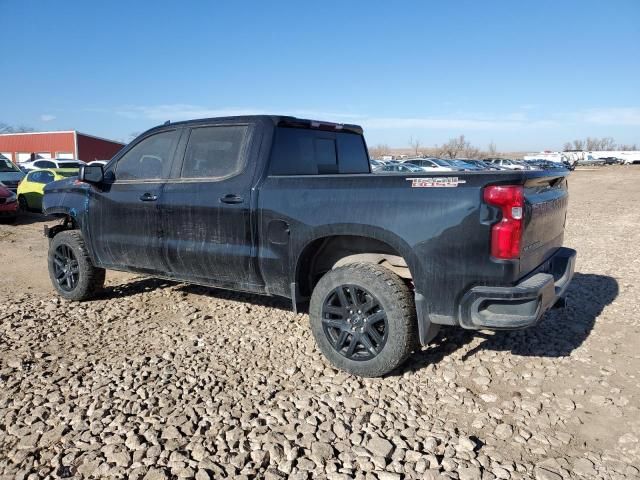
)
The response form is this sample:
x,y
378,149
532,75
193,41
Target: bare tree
x,y
379,150
591,144
472,152
453,147
607,143
627,146
415,145
492,151
6,128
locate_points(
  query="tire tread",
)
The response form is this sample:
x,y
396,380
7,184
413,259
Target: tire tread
x,y
397,294
91,278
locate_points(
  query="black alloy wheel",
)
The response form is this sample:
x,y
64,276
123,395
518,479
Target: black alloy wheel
x,y
354,322
65,268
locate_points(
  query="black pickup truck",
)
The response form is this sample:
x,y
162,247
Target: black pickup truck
x,y
289,207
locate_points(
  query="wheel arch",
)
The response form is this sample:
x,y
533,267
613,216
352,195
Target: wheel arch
x,y
330,250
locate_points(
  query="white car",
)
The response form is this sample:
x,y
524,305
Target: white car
x,y
430,164
98,162
506,163
51,163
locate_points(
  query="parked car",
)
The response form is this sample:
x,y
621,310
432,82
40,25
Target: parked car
x,y
8,204
485,165
98,162
612,160
376,164
464,165
590,160
51,163
507,163
400,167
428,164
10,174
545,164
31,189
380,261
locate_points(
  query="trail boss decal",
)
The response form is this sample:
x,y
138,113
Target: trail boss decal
x,y
435,182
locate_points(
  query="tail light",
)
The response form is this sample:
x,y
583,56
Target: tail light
x,y
506,235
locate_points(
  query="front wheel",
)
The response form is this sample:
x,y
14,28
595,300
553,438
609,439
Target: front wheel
x,y
70,269
363,319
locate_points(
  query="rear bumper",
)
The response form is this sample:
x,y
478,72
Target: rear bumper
x,y
520,306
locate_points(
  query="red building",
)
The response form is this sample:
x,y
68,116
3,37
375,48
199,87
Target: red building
x,y
22,147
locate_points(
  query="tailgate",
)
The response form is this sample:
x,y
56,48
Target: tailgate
x,y
546,200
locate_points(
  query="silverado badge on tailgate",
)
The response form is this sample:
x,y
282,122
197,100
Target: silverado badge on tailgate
x,y
435,182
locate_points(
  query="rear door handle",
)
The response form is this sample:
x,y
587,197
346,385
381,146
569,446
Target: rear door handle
x,y
231,198
148,197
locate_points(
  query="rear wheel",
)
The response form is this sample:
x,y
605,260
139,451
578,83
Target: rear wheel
x,y
23,204
70,269
363,319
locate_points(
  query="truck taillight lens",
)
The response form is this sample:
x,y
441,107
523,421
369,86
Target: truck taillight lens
x,y
506,235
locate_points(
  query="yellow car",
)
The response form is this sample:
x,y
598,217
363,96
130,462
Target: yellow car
x,y
31,188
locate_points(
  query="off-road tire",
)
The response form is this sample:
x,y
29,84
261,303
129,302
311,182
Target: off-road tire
x,y
394,297
90,278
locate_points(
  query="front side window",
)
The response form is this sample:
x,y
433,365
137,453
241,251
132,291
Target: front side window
x,y
214,152
46,177
150,159
34,177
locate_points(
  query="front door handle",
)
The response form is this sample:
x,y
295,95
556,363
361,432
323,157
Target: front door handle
x,y
148,197
231,198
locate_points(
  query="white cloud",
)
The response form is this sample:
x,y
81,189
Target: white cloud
x,y
462,121
611,116
45,117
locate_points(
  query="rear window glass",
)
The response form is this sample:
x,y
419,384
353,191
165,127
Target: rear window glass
x,y
214,152
299,151
44,164
69,165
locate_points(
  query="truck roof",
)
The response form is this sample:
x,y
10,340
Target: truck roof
x,y
277,120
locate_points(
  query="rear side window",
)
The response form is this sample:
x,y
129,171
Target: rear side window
x,y
299,151
148,160
215,152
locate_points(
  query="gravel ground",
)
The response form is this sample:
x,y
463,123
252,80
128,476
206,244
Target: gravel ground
x,y
159,380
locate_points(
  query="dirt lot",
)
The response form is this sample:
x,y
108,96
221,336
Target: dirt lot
x,y
158,380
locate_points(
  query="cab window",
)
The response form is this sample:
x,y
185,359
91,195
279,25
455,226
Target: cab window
x,y
215,152
150,159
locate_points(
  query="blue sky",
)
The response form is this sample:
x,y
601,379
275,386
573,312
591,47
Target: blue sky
x,y
525,75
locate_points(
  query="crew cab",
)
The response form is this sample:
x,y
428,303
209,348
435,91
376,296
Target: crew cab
x,y
289,207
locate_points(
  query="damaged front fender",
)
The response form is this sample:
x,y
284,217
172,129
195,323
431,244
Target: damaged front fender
x,y
67,198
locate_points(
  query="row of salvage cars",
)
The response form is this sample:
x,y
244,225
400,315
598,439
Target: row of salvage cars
x,y
22,187
433,164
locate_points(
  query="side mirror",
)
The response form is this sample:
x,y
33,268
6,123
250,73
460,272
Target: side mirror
x,y
91,173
